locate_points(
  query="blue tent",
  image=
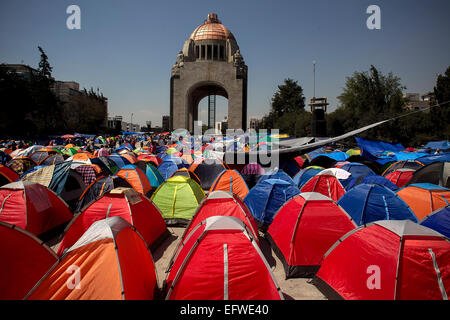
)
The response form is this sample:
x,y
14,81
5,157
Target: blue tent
x,y
357,170
153,175
170,164
290,166
126,146
160,149
370,202
276,174
371,179
4,157
439,221
304,175
266,198
119,160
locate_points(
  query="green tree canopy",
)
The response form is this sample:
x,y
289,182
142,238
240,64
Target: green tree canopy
x,y
370,96
289,98
45,69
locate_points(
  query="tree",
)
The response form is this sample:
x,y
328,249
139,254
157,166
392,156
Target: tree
x,y
287,110
369,97
289,98
440,115
45,70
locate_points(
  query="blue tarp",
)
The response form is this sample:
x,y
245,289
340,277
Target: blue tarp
x,y
304,175
335,155
314,153
433,145
403,156
370,202
266,198
379,151
438,221
442,157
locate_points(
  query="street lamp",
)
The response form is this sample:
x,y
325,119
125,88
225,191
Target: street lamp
x,y
314,80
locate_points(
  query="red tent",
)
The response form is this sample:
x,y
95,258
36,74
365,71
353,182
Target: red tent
x,y
387,260
222,203
400,177
122,202
150,158
7,175
304,229
219,260
110,261
328,185
33,207
24,260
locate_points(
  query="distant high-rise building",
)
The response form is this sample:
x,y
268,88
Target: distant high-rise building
x,y
149,125
166,123
115,122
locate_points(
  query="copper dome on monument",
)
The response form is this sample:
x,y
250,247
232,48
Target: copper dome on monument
x,y
211,29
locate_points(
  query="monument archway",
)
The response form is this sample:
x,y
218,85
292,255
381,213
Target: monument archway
x,y
198,93
209,65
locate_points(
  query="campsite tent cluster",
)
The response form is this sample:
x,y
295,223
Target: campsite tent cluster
x,y
333,216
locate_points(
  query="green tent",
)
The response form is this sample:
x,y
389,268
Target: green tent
x,y
177,199
354,152
69,151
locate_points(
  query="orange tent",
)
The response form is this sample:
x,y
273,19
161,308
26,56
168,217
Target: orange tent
x,y
82,156
424,198
129,157
109,262
136,178
25,260
232,181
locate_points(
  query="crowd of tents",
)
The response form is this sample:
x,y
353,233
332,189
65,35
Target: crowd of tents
x,y
336,216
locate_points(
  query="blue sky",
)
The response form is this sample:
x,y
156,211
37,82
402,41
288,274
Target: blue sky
x,y
127,48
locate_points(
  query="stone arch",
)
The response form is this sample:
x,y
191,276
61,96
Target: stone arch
x,y
199,91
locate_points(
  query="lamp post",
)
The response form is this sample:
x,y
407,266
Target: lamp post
x,y
314,78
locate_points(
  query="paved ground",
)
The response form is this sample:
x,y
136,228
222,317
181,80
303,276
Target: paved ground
x,y
293,289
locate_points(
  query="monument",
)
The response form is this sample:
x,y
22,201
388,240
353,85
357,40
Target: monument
x,y
210,64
